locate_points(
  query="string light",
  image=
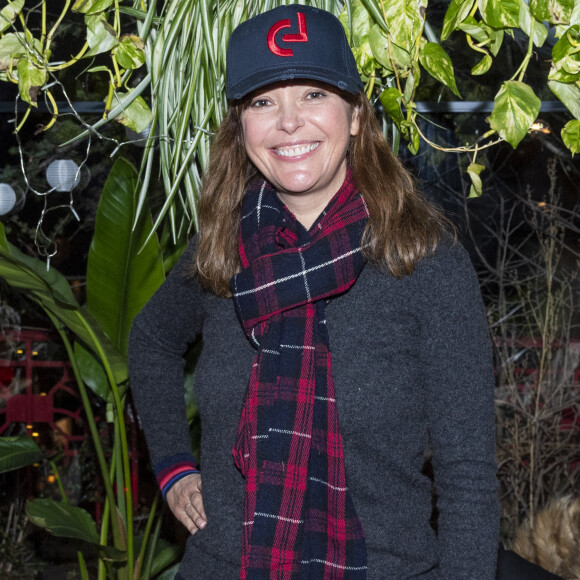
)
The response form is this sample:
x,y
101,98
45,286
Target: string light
x,y
63,175
7,199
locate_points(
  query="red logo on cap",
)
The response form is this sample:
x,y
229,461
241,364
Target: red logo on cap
x,y
302,36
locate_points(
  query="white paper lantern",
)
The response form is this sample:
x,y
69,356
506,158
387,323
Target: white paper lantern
x,y
7,199
63,175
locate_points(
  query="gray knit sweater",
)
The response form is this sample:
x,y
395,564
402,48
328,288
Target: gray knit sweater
x,y
412,368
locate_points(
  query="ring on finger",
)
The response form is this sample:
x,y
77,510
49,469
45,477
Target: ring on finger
x,y
185,509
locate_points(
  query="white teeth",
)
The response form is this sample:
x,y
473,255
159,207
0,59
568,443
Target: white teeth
x,y
294,152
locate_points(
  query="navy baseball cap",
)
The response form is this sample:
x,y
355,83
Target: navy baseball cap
x,y
290,42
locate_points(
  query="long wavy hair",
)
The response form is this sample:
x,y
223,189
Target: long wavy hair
x,y
403,227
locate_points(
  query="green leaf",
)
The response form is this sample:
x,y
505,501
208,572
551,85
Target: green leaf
x,y
91,6
129,52
17,452
136,115
525,23
571,136
553,11
405,21
474,171
165,555
33,277
482,66
391,101
414,137
500,13
12,46
496,37
515,108
559,72
359,35
111,554
92,372
122,274
566,57
457,12
30,79
101,37
575,16
169,574
438,64
568,45
62,519
477,30
411,83
571,66
100,68
9,13
379,45
487,37
51,290
361,23
569,94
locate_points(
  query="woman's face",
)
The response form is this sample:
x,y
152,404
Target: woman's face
x,y
297,135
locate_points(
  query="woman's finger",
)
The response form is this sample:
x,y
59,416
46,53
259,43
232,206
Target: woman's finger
x,y
193,520
186,502
196,500
194,509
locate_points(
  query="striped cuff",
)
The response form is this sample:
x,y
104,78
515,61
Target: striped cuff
x,y
173,468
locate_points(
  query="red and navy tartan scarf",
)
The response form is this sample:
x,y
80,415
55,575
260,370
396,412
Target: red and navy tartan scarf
x,y
299,518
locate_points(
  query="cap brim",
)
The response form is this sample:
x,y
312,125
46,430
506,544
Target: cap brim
x,y
266,77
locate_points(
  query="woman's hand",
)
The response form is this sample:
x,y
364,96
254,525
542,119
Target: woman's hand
x,y
185,501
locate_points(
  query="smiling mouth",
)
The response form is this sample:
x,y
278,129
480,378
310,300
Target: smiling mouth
x,y
296,150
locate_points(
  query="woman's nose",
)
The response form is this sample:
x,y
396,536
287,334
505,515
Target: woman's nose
x,y
289,117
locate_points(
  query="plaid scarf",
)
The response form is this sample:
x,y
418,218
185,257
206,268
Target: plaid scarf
x,y
299,519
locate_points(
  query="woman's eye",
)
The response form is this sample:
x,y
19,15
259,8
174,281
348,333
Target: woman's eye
x,y
314,95
259,103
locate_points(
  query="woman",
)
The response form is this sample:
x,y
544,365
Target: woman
x,y
343,336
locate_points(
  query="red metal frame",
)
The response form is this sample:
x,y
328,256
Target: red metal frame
x,y
27,406
30,407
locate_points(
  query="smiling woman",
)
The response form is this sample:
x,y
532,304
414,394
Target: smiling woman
x,y
343,335
297,136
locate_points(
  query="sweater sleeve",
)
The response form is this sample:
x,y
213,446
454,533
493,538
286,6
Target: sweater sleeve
x,y
160,336
458,372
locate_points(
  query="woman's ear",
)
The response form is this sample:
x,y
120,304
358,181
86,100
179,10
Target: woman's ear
x,y
355,121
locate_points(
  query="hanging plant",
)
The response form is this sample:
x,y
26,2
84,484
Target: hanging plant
x,y
182,43
28,60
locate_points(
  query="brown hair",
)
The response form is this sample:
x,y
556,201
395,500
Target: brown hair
x,y
403,227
